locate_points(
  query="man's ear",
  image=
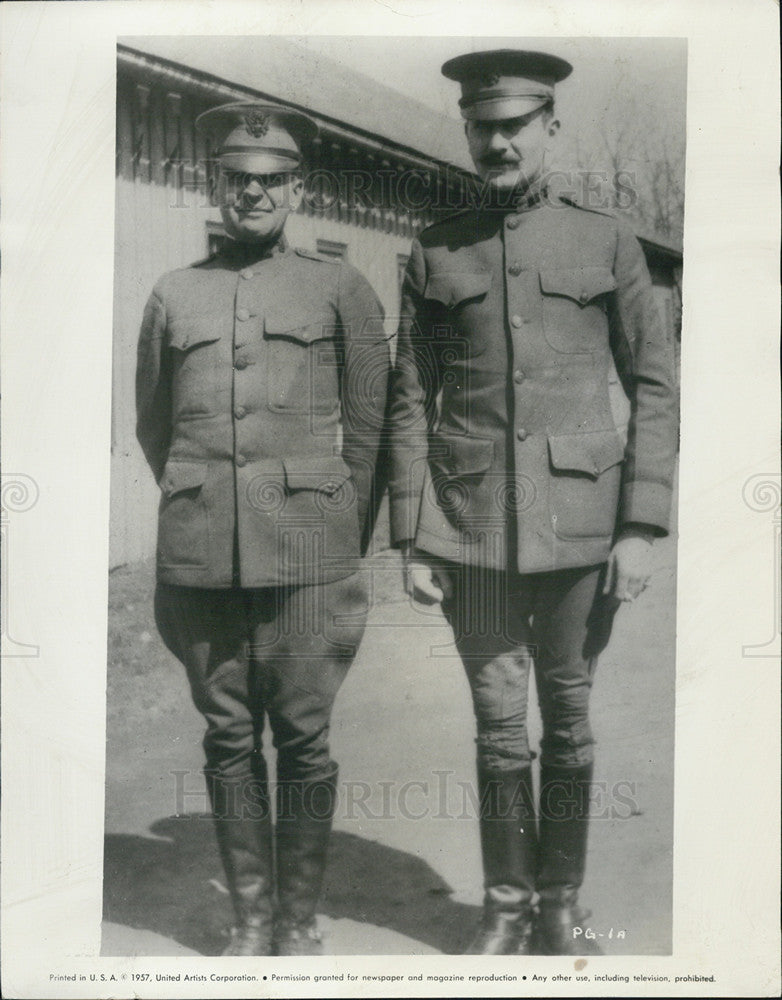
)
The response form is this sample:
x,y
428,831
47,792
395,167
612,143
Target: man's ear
x,y
553,127
296,191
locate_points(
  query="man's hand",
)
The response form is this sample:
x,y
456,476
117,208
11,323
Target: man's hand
x,y
424,581
629,568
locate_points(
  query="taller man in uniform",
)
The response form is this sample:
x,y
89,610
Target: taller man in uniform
x,y
518,501
261,390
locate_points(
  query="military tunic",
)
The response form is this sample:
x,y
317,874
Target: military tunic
x,y
506,450
261,387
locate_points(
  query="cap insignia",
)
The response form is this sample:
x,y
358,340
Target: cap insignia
x,y
490,79
257,124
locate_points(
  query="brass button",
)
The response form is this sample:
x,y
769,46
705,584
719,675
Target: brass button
x,y
246,273
241,363
516,321
240,412
522,434
241,461
306,335
518,376
584,297
242,314
515,269
512,222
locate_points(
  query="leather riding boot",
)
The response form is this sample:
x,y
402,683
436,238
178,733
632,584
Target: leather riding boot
x,y
305,809
242,816
509,848
564,823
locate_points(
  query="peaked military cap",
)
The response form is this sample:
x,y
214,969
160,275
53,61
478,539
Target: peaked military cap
x,y
505,83
258,138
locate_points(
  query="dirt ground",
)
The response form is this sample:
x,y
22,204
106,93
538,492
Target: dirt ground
x,y
404,874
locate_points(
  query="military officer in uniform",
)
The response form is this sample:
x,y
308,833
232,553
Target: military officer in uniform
x,y
261,390
518,498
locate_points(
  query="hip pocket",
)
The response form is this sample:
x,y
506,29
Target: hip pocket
x,y
584,482
183,520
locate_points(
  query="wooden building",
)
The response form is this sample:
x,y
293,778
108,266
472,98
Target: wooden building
x,y
382,168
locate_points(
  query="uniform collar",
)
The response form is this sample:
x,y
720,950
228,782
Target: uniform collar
x,y
531,197
244,254
515,201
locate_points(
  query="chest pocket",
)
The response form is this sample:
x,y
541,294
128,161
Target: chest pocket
x,y
574,307
461,293
195,353
304,357
451,288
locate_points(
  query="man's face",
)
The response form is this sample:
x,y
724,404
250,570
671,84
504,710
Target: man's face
x,y
255,206
510,153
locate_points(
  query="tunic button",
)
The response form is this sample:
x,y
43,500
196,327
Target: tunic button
x,y
518,376
242,314
512,222
240,412
240,363
515,269
522,434
516,321
246,273
241,460
583,297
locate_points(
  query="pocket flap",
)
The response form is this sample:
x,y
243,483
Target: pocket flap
x,y
304,329
582,284
453,287
591,453
322,475
185,333
458,455
180,476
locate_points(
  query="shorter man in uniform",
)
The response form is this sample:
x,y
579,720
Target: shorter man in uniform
x,y
261,390
518,501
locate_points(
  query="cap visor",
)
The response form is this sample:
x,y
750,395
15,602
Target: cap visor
x,y
504,107
258,163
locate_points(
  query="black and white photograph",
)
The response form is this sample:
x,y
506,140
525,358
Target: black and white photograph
x,y
403,438
415,547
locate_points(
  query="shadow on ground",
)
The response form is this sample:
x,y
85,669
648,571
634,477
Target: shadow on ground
x,y
171,886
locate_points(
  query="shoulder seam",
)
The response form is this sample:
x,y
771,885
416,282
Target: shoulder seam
x,y
314,255
607,213
203,260
447,218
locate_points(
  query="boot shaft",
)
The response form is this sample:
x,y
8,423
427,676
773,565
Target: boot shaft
x,y
564,827
242,817
509,850
508,829
305,810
